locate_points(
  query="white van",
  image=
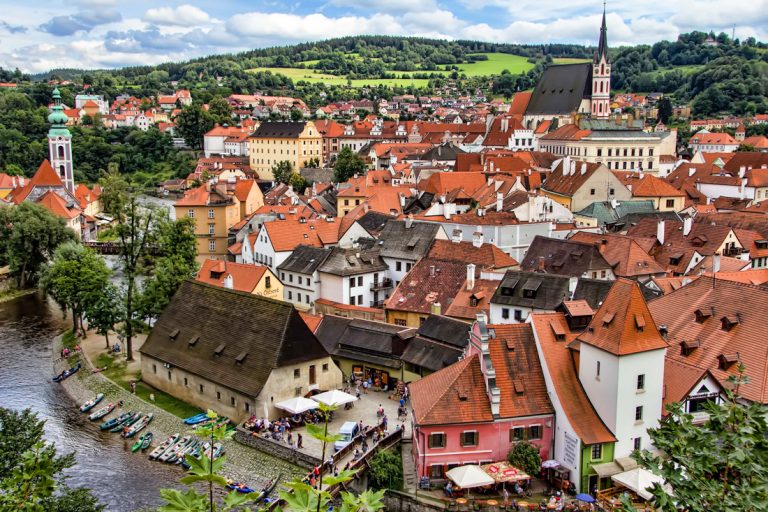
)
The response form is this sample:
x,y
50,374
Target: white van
x,y
348,432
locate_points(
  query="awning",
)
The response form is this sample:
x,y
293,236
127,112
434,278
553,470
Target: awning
x,y
638,480
504,472
626,463
607,469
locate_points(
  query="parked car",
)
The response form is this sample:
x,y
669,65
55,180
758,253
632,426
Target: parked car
x,y
348,432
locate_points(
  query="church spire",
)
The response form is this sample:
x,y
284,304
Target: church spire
x,y
60,143
602,46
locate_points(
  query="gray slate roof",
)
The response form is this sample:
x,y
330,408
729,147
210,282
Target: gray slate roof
x,y
397,241
279,130
446,330
441,153
594,291
430,355
349,262
203,320
373,222
532,290
364,340
305,259
561,89
563,257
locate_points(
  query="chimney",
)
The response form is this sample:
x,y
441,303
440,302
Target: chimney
x,y
436,309
402,200
660,232
432,271
504,124
583,169
687,225
499,201
716,262
477,239
542,264
566,165
228,283
409,222
492,166
470,276
742,171
456,236
573,168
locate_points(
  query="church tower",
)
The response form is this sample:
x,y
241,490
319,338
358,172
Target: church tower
x,y
601,76
60,144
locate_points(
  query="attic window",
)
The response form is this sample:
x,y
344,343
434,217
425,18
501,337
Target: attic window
x,y
608,318
687,347
174,334
193,340
726,360
462,394
729,322
241,357
519,387
473,301
531,287
510,344
558,331
639,322
220,349
702,315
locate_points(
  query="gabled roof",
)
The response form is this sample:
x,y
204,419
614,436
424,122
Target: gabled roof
x,y
349,262
559,363
410,243
645,185
625,255
244,277
287,234
445,330
57,205
713,138
45,176
480,295
270,335
561,89
486,257
444,182
623,324
563,257
532,290
364,340
305,259
430,281
569,184
279,130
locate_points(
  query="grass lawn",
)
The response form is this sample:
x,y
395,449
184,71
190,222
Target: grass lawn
x,y
311,76
116,372
68,339
687,70
496,63
568,60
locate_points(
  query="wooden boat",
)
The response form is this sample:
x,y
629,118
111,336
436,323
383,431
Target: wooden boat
x,y
115,421
133,418
90,404
189,449
265,492
138,426
194,420
171,452
137,445
147,440
100,413
164,446
215,451
196,453
68,373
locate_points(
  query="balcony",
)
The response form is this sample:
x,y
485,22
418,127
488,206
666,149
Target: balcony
x,y
378,303
384,284
733,251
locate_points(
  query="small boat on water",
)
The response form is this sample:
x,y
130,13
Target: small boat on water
x,y
133,418
171,451
138,426
115,421
100,413
157,452
68,373
198,418
90,404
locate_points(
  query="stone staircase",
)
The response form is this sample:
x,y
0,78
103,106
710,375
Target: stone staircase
x,y
411,481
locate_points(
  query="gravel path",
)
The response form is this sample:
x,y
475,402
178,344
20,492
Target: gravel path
x,y
243,464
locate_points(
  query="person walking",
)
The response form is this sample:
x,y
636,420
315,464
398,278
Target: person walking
x,y
299,440
133,387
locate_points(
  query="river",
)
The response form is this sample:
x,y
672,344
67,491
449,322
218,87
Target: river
x,y
122,481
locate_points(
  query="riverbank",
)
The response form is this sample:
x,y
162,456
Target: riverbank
x,y
243,464
11,294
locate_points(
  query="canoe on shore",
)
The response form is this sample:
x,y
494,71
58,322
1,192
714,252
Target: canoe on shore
x,y
90,404
241,488
133,418
68,373
134,429
100,413
171,451
157,452
147,440
116,421
194,420
137,445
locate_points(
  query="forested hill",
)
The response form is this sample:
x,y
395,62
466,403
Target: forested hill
x,y
713,72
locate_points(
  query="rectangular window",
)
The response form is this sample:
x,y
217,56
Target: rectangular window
x,y
186,382
517,434
218,395
505,313
325,367
290,278
247,407
591,191
290,295
201,388
296,373
518,315
232,401
298,297
360,281
191,214
282,276
639,413
210,214
400,322
598,370
599,152
638,441
436,471
436,440
408,267
670,203
398,266
211,229
351,282
169,375
154,368
352,300
650,152
211,245
641,382
470,438
597,451
268,282
534,432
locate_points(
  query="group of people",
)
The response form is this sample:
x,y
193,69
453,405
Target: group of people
x,y
279,430
66,352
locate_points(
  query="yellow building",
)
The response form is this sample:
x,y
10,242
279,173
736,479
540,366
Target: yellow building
x,y
254,279
278,141
214,212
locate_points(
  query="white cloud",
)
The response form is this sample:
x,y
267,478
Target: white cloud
x,y
184,15
310,27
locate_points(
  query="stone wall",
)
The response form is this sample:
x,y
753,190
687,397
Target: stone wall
x,y
276,449
395,500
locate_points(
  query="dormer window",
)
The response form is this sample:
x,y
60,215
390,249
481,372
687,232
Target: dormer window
x,y
174,334
687,347
608,318
220,349
726,360
702,315
729,322
639,322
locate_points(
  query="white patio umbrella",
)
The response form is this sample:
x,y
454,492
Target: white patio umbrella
x,y
334,398
470,476
549,464
640,480
297,405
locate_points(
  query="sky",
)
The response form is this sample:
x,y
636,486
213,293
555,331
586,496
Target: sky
x,y
94,34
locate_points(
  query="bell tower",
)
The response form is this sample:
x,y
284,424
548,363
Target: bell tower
x,y
601,76
60,144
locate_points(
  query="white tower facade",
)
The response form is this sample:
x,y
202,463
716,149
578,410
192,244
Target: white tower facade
x,y
60,144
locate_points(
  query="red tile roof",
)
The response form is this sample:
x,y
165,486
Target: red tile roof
x,y
623,325
571,183
243,189
58,206
244,277
312,321
420,289
482,292
559,363
45,176
567,132
519,103
486,257
288,234
647,185
623,253
712,138
444,182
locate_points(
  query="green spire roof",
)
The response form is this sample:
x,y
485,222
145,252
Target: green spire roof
x,y
57,117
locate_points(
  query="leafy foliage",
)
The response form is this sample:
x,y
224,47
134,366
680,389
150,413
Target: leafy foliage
x,y
192,123
282,171
386,470
347,165
525,456
29,235
31,477
718,466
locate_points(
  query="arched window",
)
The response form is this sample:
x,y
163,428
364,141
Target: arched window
x,y
602,69
600,108
61,151
62,172
601,86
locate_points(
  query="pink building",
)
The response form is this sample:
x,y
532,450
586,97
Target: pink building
x,y
475,410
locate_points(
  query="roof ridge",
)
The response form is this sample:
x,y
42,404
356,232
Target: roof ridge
x,y
459,371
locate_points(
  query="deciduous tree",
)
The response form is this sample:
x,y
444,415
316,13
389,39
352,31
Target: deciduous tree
x,y
347,165
525,456
192,123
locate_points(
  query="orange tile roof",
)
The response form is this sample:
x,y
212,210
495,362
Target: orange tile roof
x,y
717,300
486,257
678,387
243,189
45,176
567,132
455,394
571,183
58,206
561,367
755,276
623,324
623,253
670,284
84,196
312,321
462,307
647,185
712,138
519,103
6,181
444,182
244,277
578,308
288,234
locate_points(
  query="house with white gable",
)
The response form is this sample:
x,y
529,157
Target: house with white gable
x,y
300,277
